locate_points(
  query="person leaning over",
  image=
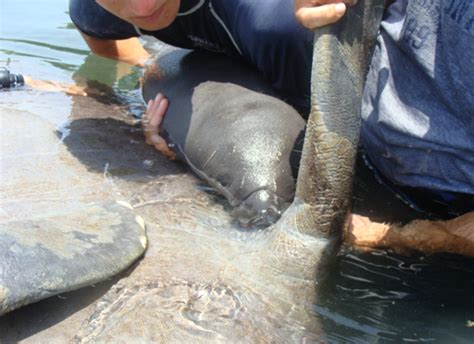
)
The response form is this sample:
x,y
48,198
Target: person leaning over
x,y
417,112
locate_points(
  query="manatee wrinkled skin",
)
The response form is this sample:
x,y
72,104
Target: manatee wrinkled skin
x,y
276,271
227,124
341,56
60,228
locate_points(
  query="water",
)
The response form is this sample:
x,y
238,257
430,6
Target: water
x,y
371,297
381,297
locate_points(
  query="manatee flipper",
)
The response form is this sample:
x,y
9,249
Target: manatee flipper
x,y
228,125
341,57
66,249
60,226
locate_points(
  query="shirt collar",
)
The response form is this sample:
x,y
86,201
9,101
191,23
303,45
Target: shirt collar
x,y
190,6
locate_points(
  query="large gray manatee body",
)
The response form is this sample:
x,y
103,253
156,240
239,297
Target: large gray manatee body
x,y
204,281
228,125
60,228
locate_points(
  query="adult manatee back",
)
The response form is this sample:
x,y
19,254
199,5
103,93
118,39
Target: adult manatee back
x,y
292,256
227,124
297,250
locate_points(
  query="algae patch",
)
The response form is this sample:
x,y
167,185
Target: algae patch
x,y
66,236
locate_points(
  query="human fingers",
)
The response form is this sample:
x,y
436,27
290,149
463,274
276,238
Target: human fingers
x,y
76,91
313,16
149,121
162,146
148,130
154,115
152,107
158,111
364,232
155,140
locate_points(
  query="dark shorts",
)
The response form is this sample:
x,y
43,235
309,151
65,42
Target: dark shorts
x,y
382,200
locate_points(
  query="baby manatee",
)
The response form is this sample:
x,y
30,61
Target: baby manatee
x,y
227,124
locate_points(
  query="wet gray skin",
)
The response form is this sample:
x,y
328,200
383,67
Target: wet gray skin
x,y
227,124
202,279
238,147
60,229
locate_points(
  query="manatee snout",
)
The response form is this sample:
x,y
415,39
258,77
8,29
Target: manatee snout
x,y
260,209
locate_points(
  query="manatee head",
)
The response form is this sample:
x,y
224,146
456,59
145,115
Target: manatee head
x,y
262,208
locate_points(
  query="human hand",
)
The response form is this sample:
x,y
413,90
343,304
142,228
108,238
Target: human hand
x,y
317,13
151,121
426,236
364,232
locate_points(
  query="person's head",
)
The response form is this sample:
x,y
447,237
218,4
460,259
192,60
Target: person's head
x,y
146,14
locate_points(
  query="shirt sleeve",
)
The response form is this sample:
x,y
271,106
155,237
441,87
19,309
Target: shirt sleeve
x,y
94,21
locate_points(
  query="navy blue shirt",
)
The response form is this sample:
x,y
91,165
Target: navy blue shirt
x,y
263,33
418,105
417,111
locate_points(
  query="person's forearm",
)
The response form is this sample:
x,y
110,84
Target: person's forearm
x,y
52,86
429,237
127,50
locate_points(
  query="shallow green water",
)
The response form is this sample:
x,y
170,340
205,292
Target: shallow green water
x,y
373,297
